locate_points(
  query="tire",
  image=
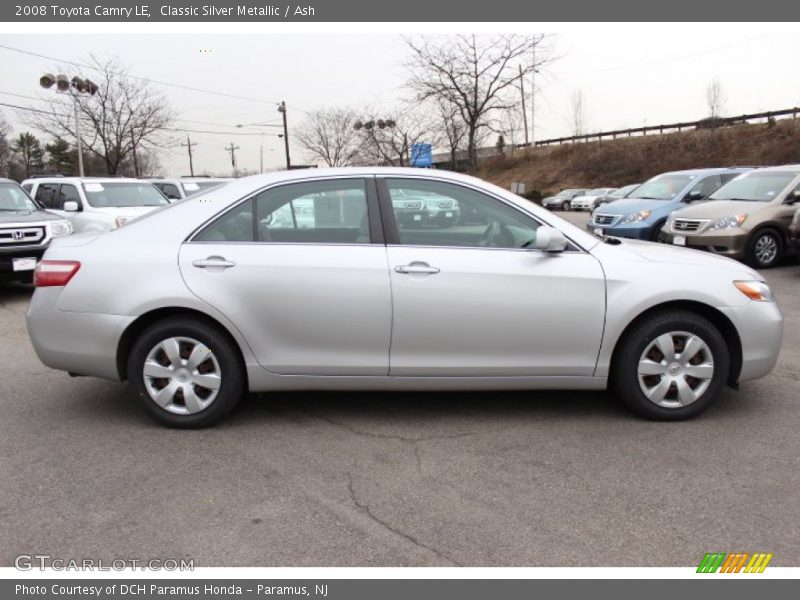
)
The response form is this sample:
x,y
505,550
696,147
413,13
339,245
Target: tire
x,y
640,350
220,366
759,255
565,206
657,231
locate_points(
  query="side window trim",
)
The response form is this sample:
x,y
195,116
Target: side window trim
x,y
373,213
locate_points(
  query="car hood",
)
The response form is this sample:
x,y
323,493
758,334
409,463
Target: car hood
x,y
677,255
715,209
27,216
627,206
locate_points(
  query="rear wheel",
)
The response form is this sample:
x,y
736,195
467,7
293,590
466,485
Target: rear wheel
x,y
765,249
186,372
671,366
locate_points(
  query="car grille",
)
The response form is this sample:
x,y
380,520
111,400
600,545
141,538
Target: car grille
x,y
605,219
687,225
21,236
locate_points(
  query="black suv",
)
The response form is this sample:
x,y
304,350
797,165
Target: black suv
x,y
25,232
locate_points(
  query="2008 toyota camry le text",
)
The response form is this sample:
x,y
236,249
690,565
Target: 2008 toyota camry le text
x,y
311,279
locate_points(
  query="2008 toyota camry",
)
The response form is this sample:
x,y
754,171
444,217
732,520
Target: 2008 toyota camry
x,y
308,280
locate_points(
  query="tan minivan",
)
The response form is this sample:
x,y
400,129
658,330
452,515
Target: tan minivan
x,y
747,218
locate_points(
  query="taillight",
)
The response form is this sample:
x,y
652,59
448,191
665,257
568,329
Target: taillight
x,y
50,273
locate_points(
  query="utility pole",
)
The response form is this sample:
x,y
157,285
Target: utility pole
x,y
232,149
77,131
524,111
282,109
189,145
261,155
133,149
533,95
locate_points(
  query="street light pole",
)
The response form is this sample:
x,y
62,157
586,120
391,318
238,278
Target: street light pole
x,y
74,87
72,92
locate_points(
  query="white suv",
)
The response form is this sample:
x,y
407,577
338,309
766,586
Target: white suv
x,y
95,203
180,188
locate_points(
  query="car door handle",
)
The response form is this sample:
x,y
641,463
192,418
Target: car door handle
x,y
417,268
213,262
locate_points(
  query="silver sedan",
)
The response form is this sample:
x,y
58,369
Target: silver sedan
x,y
307,280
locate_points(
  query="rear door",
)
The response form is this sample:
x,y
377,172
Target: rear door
x,y
301,270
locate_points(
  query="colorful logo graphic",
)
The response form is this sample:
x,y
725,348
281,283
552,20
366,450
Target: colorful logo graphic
x,y
735,562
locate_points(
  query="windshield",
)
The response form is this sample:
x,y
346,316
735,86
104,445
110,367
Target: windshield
x,y
755,187
118,194
13,198
195,187
624,191
563,193
663,187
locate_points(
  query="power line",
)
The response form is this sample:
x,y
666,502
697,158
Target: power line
x,y
163,128
147,79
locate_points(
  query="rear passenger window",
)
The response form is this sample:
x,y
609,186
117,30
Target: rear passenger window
x,y
170,191
47,195
321,212
236,225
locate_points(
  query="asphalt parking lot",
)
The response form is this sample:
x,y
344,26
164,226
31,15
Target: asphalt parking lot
x,y
323,479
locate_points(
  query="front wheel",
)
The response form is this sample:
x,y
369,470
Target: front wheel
x,y
765,249
671,366
186,373
565,206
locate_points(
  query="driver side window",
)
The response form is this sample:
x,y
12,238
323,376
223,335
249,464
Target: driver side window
x,y
433,213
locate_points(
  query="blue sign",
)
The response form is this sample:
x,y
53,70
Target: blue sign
x,y
421,155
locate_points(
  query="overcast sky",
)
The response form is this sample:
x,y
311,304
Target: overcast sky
x,y
630,75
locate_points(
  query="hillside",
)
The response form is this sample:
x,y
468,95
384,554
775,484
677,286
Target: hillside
x,y
547,169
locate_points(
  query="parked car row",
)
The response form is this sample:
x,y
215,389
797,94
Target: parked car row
x,y
742,213
44,208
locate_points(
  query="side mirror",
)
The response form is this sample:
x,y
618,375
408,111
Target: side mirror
x,y
550,239
694,195
794,197
71,206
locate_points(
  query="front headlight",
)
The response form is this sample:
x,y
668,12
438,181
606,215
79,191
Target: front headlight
x,y
755,290
60,228
637,217
729,222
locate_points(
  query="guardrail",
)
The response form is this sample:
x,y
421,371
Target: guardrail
x,y
707,123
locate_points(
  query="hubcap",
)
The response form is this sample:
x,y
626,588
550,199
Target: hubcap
x,y
182,375
766,249
675,369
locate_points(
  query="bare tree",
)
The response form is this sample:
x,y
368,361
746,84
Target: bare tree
x,y
328,135
716,98
476,75
452,130
578,121
125,116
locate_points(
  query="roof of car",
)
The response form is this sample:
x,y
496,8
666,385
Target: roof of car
x,y
707,171
82,180
794,168
4,180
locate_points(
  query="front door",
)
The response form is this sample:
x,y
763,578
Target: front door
x,y
472,299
